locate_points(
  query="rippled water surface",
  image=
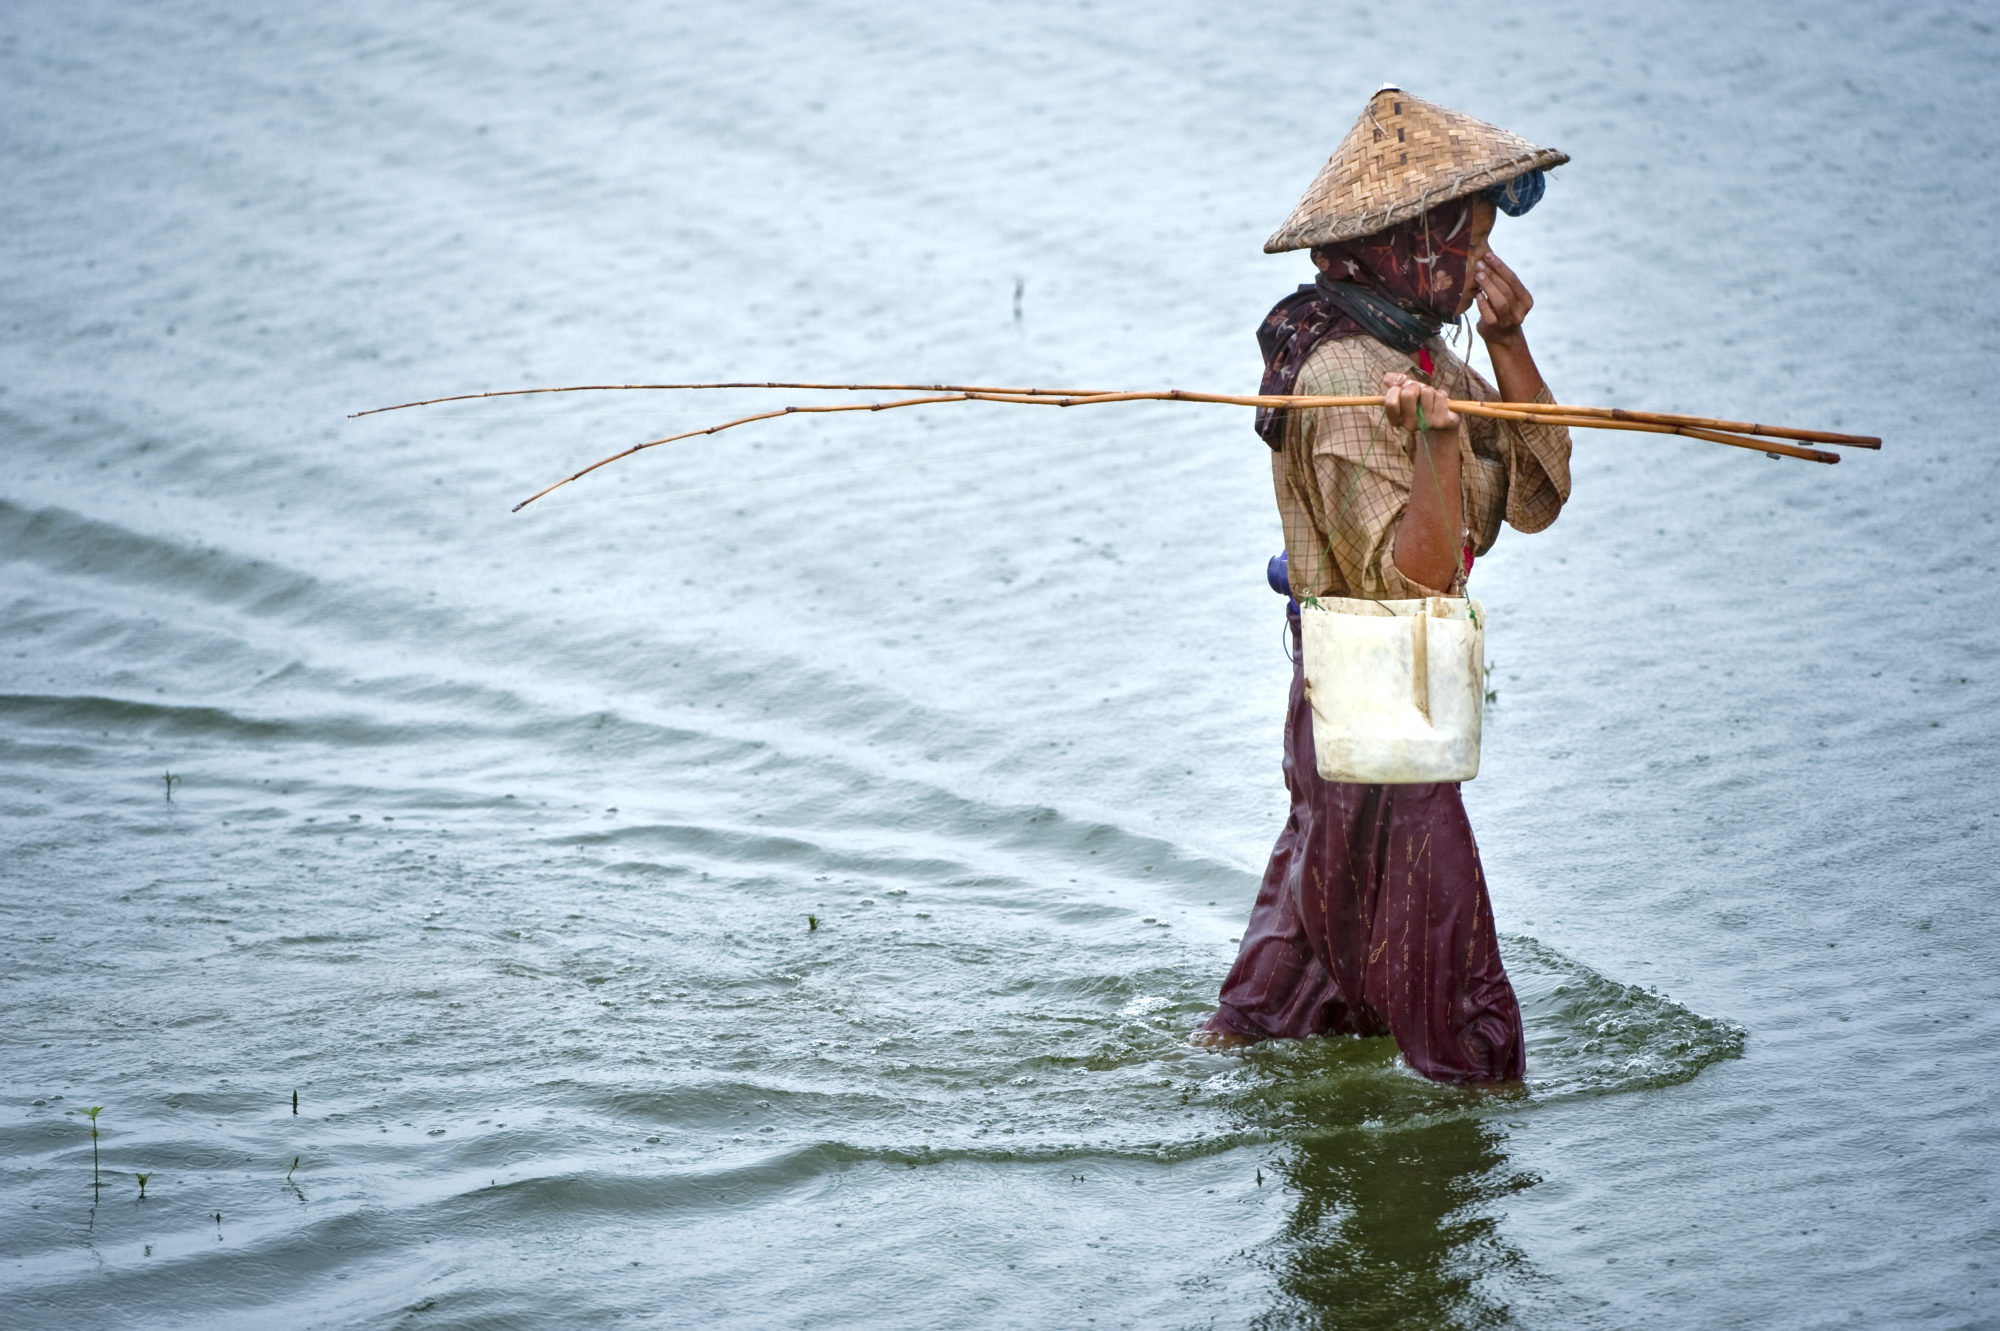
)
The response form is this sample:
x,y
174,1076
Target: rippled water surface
x,y
770,883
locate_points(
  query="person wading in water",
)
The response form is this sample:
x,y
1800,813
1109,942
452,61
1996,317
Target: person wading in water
x,y
1373,917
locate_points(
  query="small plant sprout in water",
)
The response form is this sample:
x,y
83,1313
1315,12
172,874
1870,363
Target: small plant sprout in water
x,y
812,923
292,1187
142,1184
171,779
1492,694
95,1181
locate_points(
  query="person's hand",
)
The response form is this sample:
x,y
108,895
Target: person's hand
x,y
1503,301
1401,396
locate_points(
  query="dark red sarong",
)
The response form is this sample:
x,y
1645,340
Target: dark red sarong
x,y
1374,920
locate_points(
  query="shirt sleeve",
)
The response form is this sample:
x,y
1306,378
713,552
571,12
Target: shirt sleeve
x,y
1537,470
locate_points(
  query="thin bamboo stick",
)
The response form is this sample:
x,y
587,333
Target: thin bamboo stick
x,y
1537,412
1709,423
647,388
1593,418
1178,395
1541,413
1690,431
729,425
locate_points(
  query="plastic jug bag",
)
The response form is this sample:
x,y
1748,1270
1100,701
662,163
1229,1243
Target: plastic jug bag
x,y
1397,687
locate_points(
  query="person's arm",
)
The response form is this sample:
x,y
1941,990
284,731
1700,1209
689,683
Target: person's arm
x,y
1503,303
1430,539
1538,455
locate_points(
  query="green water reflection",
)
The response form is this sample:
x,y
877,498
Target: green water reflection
x,y
1395,1222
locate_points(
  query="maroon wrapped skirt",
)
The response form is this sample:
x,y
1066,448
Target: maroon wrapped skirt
x,y
1373,919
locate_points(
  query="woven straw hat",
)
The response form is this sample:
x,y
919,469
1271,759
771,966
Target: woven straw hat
x,y
1404,155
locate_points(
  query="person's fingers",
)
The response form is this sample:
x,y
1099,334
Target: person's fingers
x,y
1501,305
1519,299
1406,405
1419,407
1400,402
1411,405
1437,408
1493,307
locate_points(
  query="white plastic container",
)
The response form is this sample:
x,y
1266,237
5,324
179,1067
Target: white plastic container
x,y
1396,687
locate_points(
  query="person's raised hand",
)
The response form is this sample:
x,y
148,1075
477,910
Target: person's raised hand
x,y
1503,301
1402,395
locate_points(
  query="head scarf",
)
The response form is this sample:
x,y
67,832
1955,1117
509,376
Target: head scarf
x,y
1397,286
1516,196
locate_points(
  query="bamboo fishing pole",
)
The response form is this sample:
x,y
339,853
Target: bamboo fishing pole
x,y
1736,434
1178,395
1601,418
653,388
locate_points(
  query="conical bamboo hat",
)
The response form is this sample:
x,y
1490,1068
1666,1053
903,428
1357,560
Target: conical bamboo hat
x,y
1404,155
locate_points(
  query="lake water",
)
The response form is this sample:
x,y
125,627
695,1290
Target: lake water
x,y
770,882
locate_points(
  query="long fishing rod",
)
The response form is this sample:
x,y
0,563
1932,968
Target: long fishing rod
x,y
654,388
1736,434
1099,395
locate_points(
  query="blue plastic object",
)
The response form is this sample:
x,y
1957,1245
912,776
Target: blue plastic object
x,y
1279,574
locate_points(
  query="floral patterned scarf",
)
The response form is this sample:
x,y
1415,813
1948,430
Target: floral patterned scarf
x,y
1397,286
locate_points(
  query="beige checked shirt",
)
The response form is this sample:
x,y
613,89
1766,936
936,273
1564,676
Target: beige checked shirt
x,y
1343,477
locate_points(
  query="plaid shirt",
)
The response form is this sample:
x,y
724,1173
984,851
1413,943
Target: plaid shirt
x,y
1343,477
